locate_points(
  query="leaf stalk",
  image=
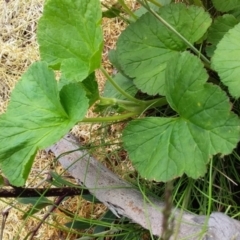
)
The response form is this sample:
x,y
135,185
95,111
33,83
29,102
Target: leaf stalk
x,y
127,10
115,118
118,88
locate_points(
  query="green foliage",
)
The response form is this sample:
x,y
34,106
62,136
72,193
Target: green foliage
x,y
161,68
125,83
218,29
70,37
37,204
225,6
196,134
2,183
226,60
37,116
112,12
158,3
145,47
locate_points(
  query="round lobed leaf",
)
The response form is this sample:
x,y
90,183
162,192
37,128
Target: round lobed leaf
x,y
70,37
226,60
218,29
164,148
37,116
145,46
225,6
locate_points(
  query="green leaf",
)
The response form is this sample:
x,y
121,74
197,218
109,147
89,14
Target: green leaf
x,y
59,181
111,99
196,2
112,55
221,25
165,148
225,6
34,200
113,11
236,13
2,182
142,10
145,46
90,198
108,218
70,37
37,116
79,225
90,86
38,203
125,83
226,60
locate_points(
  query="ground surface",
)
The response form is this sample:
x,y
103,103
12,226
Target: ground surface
x,y
18,49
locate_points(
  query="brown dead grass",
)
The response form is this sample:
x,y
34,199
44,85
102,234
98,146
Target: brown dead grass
x,y
18,49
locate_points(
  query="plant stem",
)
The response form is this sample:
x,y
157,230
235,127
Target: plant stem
x,y
38,192
167,223
130,106
155,3
127,10
57,203
210,188
118,88
120,16
115,118
114,101
158,102
205,60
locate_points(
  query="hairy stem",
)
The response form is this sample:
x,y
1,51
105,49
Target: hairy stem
x,y
115,118
114,101
148,104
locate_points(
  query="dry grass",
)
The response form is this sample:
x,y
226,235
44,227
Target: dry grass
x,y
18,49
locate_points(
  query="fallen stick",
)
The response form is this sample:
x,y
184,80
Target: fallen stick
x,y
123,199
